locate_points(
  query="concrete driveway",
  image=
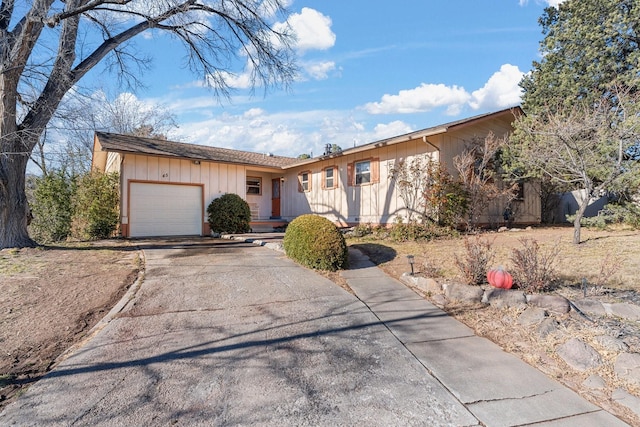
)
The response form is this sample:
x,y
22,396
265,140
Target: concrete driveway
x,y
223,332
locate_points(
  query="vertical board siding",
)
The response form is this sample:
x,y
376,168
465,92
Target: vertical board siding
x,y
113,162
377,203
216,178
381,202
347,204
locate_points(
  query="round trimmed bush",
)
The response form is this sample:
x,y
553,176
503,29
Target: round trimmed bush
x,y
315,242
229,213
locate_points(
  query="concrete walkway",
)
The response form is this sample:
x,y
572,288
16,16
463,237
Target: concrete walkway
x,y
224,332
498,388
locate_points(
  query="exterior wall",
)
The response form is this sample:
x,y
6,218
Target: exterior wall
x,y
526,210
375,203
113,162
261,204
380,203
216,179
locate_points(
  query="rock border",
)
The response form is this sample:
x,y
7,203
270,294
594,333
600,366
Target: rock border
x,y
539,310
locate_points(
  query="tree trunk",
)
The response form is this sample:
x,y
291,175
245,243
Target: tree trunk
x,y
14,208
579,214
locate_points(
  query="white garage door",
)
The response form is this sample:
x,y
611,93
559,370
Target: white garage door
x,y
164,210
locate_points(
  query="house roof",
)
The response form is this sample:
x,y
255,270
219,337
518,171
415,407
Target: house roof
x,y
157,147
435,130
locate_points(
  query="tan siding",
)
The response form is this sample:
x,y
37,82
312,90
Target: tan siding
x,y
205,172
153,168
380,202
113,162
262,202
196,171
240,182
374,203
164,169
223,177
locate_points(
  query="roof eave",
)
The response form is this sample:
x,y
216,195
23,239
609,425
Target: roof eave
x,y
372,145
193,158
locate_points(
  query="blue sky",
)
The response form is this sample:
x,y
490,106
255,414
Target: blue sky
x,y
369,70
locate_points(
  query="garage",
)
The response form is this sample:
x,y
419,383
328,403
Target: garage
x,y
165,210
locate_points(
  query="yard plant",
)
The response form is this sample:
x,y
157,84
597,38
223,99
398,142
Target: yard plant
x,y
316,242
229,213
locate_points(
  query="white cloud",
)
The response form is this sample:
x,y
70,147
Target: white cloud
x,y
554,3
319,70
395,128
500,91
312,30
287,133
423,98
234,80
253,113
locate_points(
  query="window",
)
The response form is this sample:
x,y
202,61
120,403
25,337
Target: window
x,y
254,185
304,181
329,178
363,172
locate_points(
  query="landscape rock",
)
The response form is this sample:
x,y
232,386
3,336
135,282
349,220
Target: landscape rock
x,y
611,343
627,366
579,355
463,293
502,298
590,306
532,316
624,398
425,284
552,303
439,300
275,246
623,310
548,326
595,382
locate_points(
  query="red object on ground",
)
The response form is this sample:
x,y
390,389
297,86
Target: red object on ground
x,y
499,278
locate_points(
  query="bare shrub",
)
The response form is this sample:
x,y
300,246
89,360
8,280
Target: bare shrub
x,y
533,269
473,264
478,169
608,267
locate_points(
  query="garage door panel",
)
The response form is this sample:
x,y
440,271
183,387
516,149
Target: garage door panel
x,y
164,210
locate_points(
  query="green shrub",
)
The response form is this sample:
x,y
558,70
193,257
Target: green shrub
x,y
316,242
96,206
614,213
52,207
229,213
411,231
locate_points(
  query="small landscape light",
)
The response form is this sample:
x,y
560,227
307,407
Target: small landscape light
x,y
411,261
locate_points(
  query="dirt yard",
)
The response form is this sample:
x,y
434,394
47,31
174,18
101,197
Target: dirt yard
x,y
50,297
608,260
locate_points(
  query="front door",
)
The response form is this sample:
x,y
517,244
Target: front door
x,y
275,198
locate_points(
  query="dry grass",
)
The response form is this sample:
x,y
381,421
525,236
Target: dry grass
x,y
604,258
